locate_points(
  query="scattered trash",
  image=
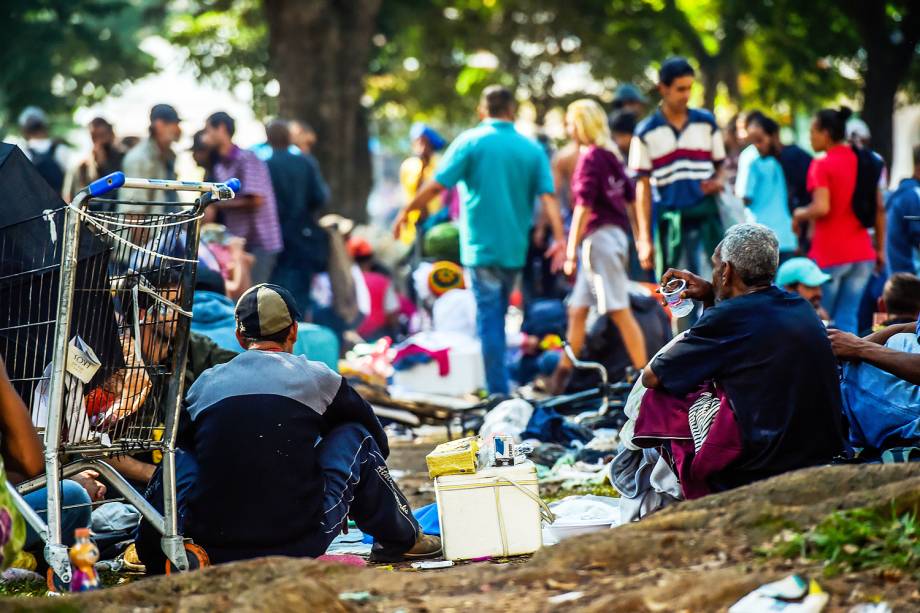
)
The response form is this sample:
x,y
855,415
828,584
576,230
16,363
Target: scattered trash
x,y
509,417
387,567
432,564
355,596
790,595
15,575
583,514
453,457
481,559
869,607
567,597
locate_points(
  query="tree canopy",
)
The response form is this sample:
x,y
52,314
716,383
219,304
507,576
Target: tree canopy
x,y
59,54
401,60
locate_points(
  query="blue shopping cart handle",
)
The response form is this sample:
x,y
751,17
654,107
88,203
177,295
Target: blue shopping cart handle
x,y
234,184
106,184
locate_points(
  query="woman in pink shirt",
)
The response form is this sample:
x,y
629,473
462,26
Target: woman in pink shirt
x,y
603,196
841,246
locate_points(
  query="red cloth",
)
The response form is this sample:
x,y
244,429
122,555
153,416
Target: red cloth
x,y
377,286
839,237
663,422
441,356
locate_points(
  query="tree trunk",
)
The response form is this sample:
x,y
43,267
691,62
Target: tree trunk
x,y
887,65
319,50
879,92
709,79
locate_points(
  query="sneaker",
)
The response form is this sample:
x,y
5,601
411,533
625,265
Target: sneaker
x,y
426,546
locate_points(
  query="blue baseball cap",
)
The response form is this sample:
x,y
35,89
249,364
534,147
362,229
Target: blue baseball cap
x,y
419,129
801,270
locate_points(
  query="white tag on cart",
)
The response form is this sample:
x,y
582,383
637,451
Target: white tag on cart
x,y
48,215
82,362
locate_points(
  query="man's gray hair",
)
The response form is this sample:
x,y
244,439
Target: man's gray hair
x,y
753,251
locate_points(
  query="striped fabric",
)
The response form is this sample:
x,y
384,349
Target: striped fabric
x,y
701,415
677,160
259,226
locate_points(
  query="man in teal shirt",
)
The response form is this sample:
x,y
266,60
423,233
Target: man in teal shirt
x,y
500,174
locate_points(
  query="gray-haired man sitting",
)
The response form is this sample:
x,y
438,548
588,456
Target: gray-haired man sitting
x,y
769,353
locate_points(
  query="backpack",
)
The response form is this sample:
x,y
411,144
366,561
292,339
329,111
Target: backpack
x,y
48,167
869,167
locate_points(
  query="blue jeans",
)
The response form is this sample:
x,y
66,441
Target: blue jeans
x,y
357,485
492,288
72,495
844,291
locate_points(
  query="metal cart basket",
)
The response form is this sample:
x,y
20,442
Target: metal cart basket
x,y
95,311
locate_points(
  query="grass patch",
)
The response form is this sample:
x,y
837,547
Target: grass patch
x,y
551,494
854,540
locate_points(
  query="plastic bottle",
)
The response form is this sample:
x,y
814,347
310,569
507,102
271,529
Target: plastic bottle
x,y
83,557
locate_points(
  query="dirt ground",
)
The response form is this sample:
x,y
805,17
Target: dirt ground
x,y
696,556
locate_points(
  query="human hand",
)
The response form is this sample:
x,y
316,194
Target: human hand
x,y
646,253
846,346
399,223
881,261
697,288
570,267
711,186
94,488
539,236
556,255
799,219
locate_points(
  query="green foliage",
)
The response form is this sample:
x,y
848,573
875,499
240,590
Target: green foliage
x,y
226,42
855,540
58,54
552,492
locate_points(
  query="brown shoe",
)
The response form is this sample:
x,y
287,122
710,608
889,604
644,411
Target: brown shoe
x,y
426,546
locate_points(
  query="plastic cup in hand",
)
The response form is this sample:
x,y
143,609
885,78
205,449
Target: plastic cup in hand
x,y
680,306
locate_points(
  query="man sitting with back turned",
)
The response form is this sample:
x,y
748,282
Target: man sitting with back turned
x,y
881,387
266,484
770,354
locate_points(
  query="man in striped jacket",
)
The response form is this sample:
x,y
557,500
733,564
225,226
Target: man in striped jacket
x,y
677,152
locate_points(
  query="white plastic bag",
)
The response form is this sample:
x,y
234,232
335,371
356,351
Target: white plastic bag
x,y
732,210
510,417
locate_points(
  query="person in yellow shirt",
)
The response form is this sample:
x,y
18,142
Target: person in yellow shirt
x,y
417,170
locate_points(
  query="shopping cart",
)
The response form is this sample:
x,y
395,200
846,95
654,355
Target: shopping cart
x,y
95,310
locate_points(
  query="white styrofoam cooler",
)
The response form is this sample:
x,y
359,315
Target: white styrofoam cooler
x,y
486,514
467,373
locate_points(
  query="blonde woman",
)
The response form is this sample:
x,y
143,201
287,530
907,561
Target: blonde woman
x,y
603,197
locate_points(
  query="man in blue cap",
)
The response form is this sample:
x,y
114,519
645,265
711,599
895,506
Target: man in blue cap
x,y
284,451
803,277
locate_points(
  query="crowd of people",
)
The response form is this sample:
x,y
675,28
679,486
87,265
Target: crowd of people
x,y
807,329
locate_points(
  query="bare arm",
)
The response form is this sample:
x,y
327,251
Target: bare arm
x,y
556,252
132,468
576,232
553,214
22,449
649,379
424,194
819,207
644,223
901,364
881,337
